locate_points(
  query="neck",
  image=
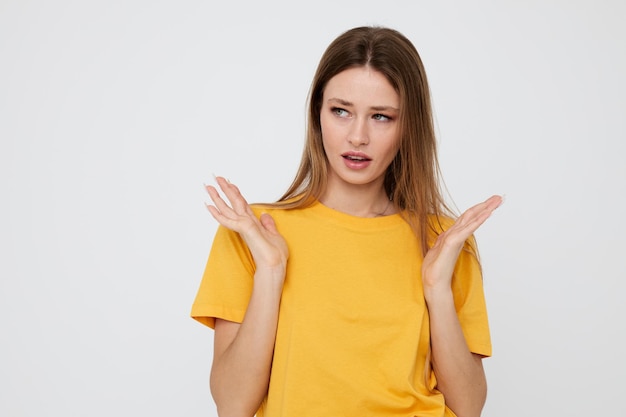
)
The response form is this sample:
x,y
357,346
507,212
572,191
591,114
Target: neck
x,y
369,200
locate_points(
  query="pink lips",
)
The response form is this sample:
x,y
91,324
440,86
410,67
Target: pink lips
x,y
356,160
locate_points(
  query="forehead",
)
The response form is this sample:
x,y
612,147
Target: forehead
x,y
362,86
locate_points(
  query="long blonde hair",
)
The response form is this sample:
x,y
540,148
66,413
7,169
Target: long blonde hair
x,y
413,179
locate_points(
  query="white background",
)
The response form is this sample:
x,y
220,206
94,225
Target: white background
x,y
114,113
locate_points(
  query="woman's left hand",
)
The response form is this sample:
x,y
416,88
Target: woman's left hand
x,y
440,260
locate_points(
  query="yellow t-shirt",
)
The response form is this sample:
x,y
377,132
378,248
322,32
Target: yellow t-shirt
x,y
353,333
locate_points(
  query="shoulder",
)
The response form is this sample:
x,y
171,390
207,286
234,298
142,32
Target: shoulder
x,y
291,205
276,209
284,215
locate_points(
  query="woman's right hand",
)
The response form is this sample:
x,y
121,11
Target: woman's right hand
x,y
267,246
242,352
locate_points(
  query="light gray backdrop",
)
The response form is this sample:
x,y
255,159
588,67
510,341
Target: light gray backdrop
x,y
114,113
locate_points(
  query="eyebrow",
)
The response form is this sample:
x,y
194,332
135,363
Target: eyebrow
x,y
348,104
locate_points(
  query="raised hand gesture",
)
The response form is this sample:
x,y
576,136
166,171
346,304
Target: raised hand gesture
x,y
440,260
267,246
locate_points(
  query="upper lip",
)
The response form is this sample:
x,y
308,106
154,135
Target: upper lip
x,y
355,154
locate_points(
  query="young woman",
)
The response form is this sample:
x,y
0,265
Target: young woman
x,y
358,293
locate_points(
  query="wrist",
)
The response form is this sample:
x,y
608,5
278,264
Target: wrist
x,y
273,273
438,295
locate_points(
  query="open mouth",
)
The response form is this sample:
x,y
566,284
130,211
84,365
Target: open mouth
x,y
355,157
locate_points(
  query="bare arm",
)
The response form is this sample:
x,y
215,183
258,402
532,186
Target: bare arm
x,y
460,373
243,352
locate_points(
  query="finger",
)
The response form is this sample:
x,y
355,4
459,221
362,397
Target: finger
x,y
494,201
225,208
485,210
237,201
471,220
225,215
219,203
488,205
230,223
268,223
214,212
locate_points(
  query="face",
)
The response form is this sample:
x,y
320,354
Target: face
x,y
360,127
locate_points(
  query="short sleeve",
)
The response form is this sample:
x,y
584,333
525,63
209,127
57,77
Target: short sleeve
x,y
469,300
227,281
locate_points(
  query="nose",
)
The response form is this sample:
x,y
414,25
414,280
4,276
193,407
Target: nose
x,y
358,134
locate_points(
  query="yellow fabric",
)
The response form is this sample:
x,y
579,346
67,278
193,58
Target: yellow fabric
x,y
353,334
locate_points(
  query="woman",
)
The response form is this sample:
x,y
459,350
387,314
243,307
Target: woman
x,y
356,294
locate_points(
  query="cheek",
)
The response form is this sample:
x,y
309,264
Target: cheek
x,y
394,144
393,152
326,135
398,139
323,128
329,132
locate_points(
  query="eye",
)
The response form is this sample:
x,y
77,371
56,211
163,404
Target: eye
x,y
381,117
338,111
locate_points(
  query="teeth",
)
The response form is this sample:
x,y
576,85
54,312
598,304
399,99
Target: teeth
x,y
356,158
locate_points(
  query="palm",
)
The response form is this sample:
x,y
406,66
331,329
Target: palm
x,y
439,262
267,246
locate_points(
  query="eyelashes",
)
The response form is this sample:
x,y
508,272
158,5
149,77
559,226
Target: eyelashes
x,y
381,117
340,112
